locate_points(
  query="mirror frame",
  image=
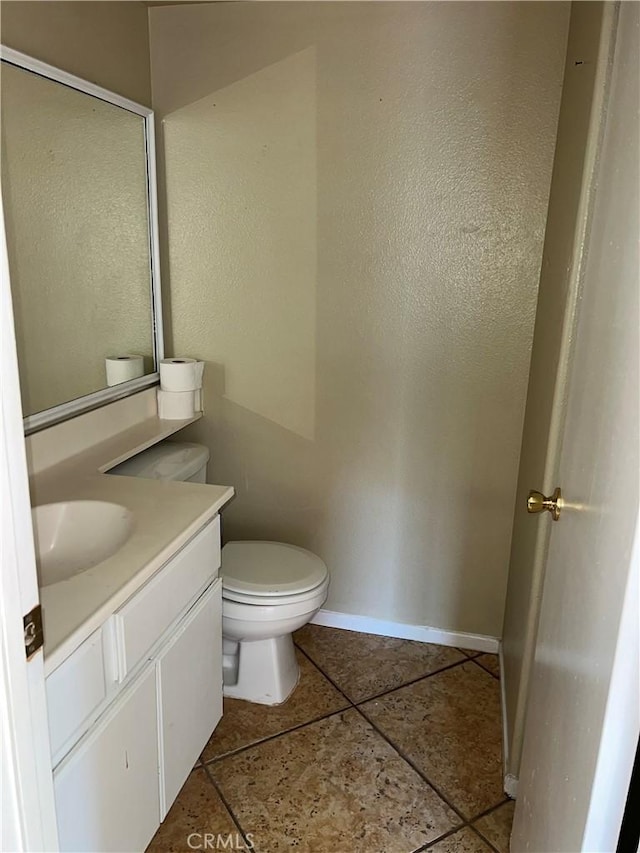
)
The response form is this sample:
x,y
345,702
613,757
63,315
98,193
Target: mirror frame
x,y
67,410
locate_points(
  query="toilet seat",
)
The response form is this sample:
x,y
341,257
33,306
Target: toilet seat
x,y
269,572
272,601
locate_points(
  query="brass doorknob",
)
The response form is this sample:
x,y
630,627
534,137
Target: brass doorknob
x,y
536,502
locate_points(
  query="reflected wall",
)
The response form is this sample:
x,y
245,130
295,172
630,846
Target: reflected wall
x,y
74,188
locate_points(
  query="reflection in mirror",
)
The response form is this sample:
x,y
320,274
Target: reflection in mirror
x,y
76,207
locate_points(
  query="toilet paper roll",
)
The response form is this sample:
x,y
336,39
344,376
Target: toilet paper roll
x,y
176,405
181,374
120,368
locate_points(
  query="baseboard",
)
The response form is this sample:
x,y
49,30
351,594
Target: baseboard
x,y
384,628
510,782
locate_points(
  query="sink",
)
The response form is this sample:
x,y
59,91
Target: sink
x,y
72,537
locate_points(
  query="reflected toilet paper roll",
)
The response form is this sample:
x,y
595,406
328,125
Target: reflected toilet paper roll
x,y
177,405
121,368
181,374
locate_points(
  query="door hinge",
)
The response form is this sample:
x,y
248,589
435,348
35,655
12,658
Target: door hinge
x,y
33,633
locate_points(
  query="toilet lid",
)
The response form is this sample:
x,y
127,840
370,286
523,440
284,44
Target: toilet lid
x,y
270,568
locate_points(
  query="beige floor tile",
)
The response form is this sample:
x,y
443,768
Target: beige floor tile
x,y
244,723
496,826
449,725
364,665
491,663
331,786
463,841
198,809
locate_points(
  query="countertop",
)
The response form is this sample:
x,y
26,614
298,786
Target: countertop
x,y
166,515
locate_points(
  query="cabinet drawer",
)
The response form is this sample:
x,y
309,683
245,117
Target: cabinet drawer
x,y
74,691
146,616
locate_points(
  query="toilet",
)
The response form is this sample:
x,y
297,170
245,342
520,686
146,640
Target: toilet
x,y
269,589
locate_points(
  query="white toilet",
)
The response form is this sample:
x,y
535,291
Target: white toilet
x,y
269,589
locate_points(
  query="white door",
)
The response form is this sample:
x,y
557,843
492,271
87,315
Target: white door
x,y
27,806
592,32
583,716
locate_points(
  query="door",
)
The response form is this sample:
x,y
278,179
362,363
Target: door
x,y
583,718
27,804
591,36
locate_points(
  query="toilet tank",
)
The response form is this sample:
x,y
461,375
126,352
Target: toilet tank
x,y
169,460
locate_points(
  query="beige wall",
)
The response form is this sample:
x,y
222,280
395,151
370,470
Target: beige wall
x,y
104,42
546,400
356,197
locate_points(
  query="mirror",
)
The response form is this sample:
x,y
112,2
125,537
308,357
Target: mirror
x,y
78,191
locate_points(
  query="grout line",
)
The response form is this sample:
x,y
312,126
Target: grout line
x,y
465,821
413,681
357,702
292,728
412,764
440,838
275,736
328,677
490,809
486,669
356,705
234,818
486,840
469,653
468,824
351,704
452,832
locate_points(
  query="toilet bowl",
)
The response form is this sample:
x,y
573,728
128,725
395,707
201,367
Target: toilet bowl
x,y
269,590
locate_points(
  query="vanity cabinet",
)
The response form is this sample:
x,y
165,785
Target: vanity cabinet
x,y
143,695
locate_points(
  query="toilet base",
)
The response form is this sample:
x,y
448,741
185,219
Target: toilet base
x,y
263,671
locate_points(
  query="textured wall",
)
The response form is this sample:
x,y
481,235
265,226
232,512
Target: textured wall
x,y
75,203
356,198
104,42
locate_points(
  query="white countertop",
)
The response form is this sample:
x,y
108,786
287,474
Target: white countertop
x,y
166,515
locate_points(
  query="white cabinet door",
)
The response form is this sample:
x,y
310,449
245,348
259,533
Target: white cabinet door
x,y
190,691
106,789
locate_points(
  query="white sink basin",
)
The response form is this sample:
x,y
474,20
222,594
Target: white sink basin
x,y
72,537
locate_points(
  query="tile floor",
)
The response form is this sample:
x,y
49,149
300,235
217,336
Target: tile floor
x,y
386,746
